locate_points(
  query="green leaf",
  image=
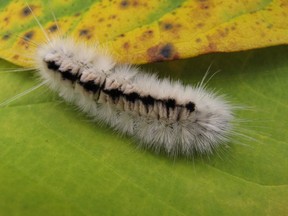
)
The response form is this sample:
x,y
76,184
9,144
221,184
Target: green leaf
x,y
55,161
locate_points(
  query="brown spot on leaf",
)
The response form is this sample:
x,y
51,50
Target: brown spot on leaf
x,y
25,44
85,33
167,26
124,4
6,19
166,51
27,11
200,25
149,32
135,3
28,35
198,40
270,26
204,6
16,57
126,45
223,32
171,28
53,28
233,27
212,47
6,36
162,53
113,16
146,35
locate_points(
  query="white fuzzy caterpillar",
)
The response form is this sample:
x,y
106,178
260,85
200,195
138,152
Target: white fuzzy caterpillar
x,y
162,115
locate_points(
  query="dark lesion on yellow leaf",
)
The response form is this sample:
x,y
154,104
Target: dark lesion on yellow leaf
x,y
170,26
27,10
126,45
204,6
124,4
16,57
147,35
223,32
113,16
233,27
212,47
28,35
6,19
200,25
25,40
166,26
85,33
6,36
269,26
101,19
162,53
53,28
77,14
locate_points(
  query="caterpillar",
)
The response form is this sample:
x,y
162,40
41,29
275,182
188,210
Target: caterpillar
x,y
162,115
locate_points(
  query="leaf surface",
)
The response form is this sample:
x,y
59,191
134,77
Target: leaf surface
x,y
55,161
138,31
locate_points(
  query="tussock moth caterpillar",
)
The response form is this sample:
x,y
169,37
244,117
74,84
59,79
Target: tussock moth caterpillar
x,y
160,114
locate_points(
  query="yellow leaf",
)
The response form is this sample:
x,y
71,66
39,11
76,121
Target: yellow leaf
x,y
140,31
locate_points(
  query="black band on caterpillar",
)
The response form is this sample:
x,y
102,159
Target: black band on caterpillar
x,y
116,94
